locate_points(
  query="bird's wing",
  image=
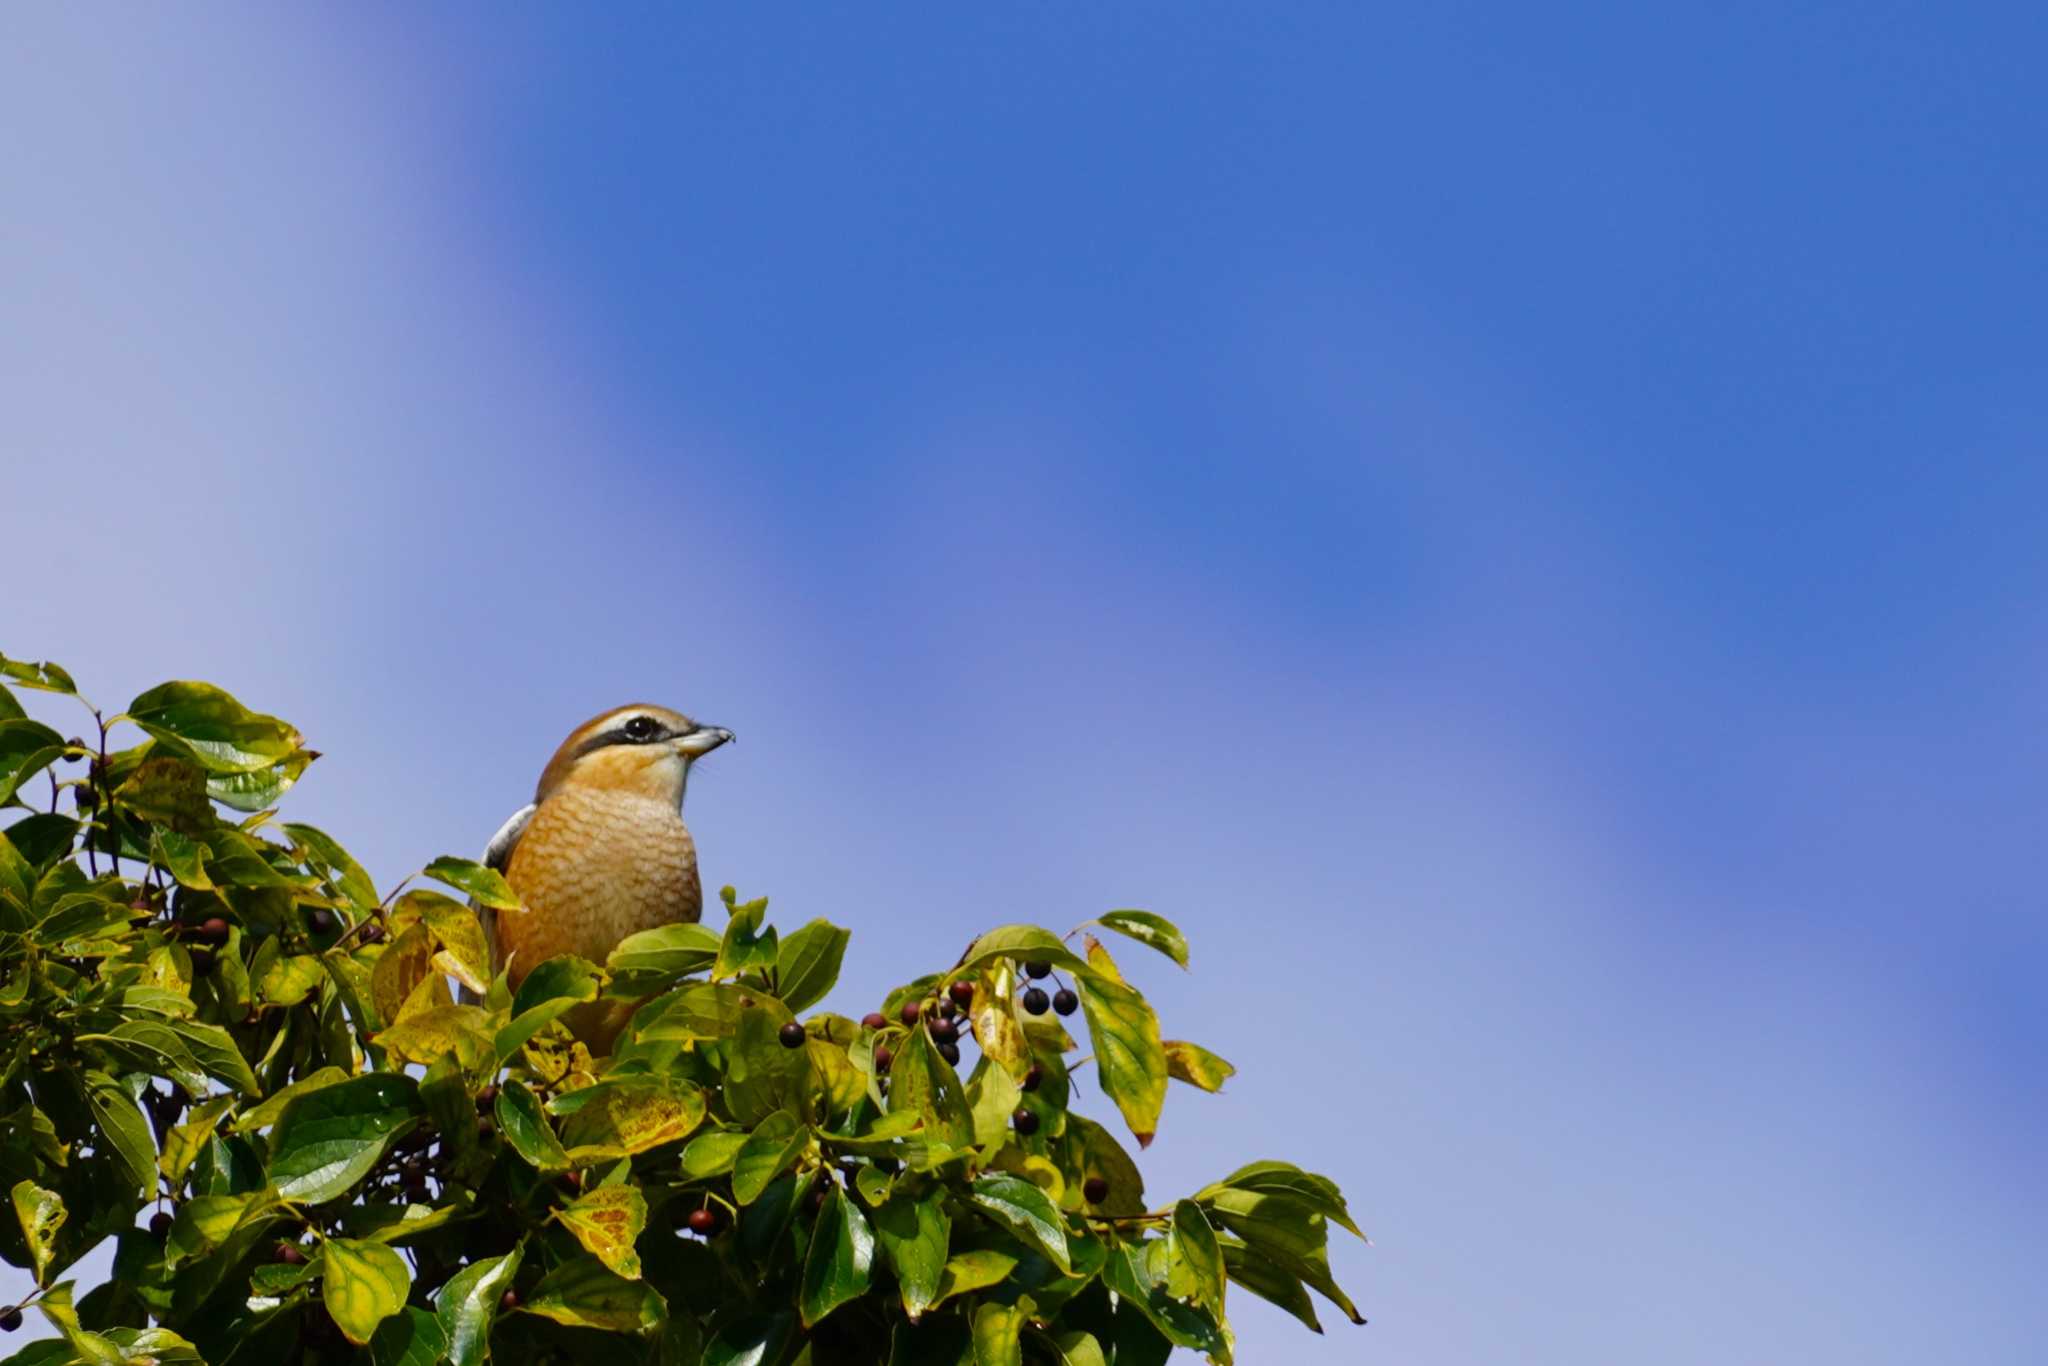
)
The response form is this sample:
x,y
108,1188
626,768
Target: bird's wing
x,y
497,854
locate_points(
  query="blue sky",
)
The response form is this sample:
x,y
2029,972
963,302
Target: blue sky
x,y
1520,529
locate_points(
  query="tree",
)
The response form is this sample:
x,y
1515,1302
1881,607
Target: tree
x,y
223,1049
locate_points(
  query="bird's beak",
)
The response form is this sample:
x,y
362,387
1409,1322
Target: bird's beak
x,y
702,740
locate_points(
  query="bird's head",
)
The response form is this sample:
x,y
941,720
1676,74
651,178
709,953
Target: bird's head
x,y
639,749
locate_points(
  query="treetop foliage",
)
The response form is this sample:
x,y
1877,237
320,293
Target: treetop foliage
x,y
223,1049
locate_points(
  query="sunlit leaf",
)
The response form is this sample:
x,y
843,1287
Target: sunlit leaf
x,y
914,1230
219,733
327,1140
1147,928
1026,1211
525,1126
807,963
487,885
1196,1065
1129,1056
996,1329
765,1154
468,1304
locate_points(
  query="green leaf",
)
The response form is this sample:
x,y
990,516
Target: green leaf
x,y
761,1076
289,978
562,978
842,1251
1025,943
745,946
713,1154
90,1348
1097,1153
765,1154
41,1213
214,1049
1195,1270
1287,1232
26,749
264,1115
487,885
584,1293
43,677
1319,1193
1196,1065
996,1331
1147,928
1073,1348
412,1337
220,734
1026,1211
321,852
992,1100
127,1133
971,1271
607,1221
1129,1057
756,1340
1130,1272
327,1140
468,1305
525,1126
1270,1283
807,963
921,1083
260,789
665,953
364,1284
914,1229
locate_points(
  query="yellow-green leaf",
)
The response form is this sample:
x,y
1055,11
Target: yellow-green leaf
x,y
364,1284
487,885
1196,1065
1129,1056
996,1329
585,1293
41,1213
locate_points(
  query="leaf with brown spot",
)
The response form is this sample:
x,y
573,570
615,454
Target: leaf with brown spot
x,y
607,1221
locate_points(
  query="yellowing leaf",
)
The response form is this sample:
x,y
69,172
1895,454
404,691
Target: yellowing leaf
x,y
607,1221
1196,1065
365,1283
41,1213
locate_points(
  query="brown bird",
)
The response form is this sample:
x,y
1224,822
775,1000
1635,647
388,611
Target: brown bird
x,y
602,852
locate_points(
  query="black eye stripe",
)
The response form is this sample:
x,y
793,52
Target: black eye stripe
x,y
636,730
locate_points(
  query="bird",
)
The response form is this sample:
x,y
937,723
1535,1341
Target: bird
x,y
601,852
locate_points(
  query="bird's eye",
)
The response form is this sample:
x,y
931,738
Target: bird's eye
x,y
641,728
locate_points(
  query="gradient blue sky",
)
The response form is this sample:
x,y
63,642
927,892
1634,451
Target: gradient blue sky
x,y
1522,528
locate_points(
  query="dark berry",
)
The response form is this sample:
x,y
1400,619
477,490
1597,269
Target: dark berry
x,y
792,1035
1065,1001
573,1180
1032,1077
703,1222
1095,1190
214,930
486,1127
1035,1001
10,1320
950,1052
962,993
947,1010
487,1097
288,1254
909,1013
160,1223
320,920
944,1031
820,1193
1038,972
874,1019
883,1057
508,1301
1026,1122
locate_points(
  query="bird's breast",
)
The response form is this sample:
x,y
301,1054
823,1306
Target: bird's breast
x,y
592,868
